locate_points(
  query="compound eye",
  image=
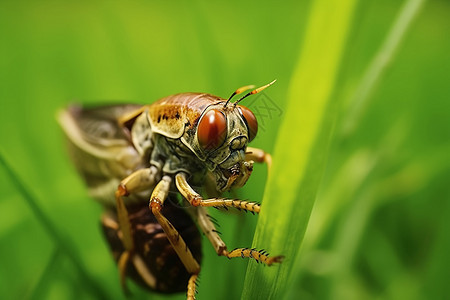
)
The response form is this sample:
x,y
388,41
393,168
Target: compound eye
x,y
250,119
212,130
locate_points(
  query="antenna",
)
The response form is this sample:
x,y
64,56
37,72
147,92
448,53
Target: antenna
x,y
255,91
238,91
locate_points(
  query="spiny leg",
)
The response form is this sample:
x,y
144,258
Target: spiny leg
x,y
192,287
258,255
207,225
196,200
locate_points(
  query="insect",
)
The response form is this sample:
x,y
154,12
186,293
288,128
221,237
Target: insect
x,y
133,158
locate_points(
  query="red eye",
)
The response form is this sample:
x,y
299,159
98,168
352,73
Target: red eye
x,y
212,130
252,124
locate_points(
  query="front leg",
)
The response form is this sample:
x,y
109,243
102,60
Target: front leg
x,y
207,226
196,200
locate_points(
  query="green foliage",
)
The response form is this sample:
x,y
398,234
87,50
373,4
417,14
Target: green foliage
x,y
298,168
362,140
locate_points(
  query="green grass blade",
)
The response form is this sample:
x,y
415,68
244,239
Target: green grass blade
x,y
301,148
379,63
58,238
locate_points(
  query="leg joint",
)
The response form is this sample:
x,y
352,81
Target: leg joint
x,y
122,190
155,205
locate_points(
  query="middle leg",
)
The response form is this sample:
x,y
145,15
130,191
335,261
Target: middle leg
x,y
207,225
157,199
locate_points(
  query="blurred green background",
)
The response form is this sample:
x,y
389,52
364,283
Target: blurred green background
x,y
379,227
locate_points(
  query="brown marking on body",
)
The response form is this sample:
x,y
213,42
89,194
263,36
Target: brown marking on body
x,y
172,115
